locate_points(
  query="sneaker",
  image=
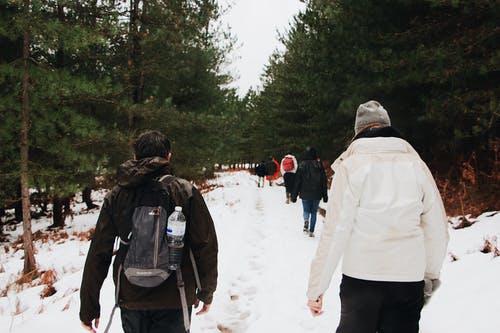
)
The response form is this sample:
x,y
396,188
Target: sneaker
x,y
306,226
311,234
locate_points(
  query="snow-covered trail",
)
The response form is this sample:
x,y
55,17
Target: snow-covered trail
x,y
264,259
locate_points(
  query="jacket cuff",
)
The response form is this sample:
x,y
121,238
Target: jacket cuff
x,y
87,318
205,296
431,276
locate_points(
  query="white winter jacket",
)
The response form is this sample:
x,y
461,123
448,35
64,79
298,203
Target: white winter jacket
x,y
385,217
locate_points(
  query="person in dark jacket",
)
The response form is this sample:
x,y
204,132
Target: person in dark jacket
x,y
260,171
310,185
272,170
158,308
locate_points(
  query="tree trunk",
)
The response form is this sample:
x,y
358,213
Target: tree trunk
x,y
57,213
2,214
87,198
29,257
59,54
134,55
18,210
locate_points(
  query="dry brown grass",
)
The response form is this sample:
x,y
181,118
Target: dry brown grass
x,y
464,222
224,329
48,277
490,246
54,236
68,305
84,235
467,189
48,291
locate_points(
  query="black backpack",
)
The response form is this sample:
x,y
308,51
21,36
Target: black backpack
x,y
146,260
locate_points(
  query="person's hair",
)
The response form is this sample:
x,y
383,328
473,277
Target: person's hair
x,y
151,144
310,154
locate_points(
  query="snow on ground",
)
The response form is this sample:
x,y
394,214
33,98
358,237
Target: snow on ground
x,y
264,261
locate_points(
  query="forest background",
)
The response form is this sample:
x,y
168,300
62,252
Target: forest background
x,y
80,79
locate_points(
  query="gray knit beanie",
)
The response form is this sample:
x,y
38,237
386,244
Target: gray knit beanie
x,y
370,113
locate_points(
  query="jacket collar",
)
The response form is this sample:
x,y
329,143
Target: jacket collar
x,y
375,145
375,132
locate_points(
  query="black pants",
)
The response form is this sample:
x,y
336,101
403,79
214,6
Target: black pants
x,y
376,306
153,321
289,178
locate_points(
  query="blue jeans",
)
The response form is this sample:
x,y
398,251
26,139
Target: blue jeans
x,y
310,208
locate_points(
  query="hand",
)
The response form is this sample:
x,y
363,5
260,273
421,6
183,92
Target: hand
x,y
205,308
88,326
325,199
430,286
294,200
316,306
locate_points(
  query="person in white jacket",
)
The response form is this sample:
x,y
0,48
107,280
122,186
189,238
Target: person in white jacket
x,y
387,222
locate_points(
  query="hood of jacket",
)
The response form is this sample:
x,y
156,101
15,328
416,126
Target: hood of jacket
x,y
373,141
133,173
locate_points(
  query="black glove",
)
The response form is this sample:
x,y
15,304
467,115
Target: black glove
x,y
325,199
294,199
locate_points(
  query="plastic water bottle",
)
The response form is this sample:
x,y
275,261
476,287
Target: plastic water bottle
x,y
176,228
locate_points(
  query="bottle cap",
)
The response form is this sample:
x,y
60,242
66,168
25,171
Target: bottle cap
x,y
178,208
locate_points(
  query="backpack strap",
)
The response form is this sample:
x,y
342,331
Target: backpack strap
x,y
162,178
182,292
195,270
117,293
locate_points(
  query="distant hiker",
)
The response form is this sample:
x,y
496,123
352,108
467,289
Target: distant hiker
x,y
150,308
386,219
260,171
272,170
288,167
310,185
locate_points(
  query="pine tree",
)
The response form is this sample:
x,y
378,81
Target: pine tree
x,y
29,255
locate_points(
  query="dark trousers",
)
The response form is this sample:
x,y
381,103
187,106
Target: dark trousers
x,y
153,321
289,178
376,306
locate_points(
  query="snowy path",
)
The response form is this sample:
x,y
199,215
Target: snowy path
x,y
264,260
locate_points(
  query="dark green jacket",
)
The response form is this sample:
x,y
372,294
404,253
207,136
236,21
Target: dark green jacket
x,y
114,221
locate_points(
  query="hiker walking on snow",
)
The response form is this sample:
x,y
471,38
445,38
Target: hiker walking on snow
x,y
387,220
153,308
288,167
260,171
272,170
310,185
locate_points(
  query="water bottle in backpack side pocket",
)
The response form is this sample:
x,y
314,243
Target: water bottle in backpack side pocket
x,y
176,228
